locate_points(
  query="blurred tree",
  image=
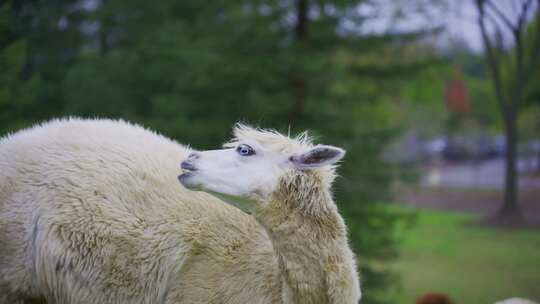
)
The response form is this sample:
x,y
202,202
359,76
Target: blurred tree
x,y
18,92
531,121
529,126
518,65
38,41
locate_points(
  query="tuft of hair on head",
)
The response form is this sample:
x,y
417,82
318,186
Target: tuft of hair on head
x,y
270,139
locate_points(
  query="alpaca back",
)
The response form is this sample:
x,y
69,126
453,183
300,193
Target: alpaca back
x,y
91,212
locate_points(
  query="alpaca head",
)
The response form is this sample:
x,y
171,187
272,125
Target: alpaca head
x,y
254,161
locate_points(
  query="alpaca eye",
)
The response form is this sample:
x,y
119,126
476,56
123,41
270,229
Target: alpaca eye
x,y
245,150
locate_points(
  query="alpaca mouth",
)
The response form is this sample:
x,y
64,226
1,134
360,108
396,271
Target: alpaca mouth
x,y
186,180
186,177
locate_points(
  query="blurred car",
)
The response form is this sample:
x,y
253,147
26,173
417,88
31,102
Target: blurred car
x,y
461,148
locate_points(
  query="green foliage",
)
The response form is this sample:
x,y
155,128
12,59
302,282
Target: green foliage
x,y
18,95
529,122
422,107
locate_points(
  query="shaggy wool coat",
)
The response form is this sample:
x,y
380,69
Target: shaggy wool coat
x,y
91,212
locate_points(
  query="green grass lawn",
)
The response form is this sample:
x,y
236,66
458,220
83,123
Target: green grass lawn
x,y
443,252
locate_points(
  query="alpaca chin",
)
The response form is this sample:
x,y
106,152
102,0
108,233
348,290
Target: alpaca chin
x,y
186,179
241,202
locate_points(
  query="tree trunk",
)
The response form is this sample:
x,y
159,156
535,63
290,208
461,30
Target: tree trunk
x,y
300,31
538,160
509,95
297,79
104,28
299,87
510,207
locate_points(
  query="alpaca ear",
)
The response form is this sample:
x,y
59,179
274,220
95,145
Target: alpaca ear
x,y
317,157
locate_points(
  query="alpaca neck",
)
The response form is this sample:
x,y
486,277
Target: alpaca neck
x,y
309,240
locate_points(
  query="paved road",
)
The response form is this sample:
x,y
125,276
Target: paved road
x,y
482,175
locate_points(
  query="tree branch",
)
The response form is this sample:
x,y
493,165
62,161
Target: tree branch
x,y
499,41
499,37
534,60
301,20
519,81
502,16
523,15
492,60
496,23
523,72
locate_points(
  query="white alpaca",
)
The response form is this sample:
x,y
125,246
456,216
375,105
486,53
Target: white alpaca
x,y
91,212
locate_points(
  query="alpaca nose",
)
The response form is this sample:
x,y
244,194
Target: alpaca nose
x,y
194,156
188,163
187,166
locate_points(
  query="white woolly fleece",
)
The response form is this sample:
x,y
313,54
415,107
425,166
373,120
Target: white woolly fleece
x,y
91,212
